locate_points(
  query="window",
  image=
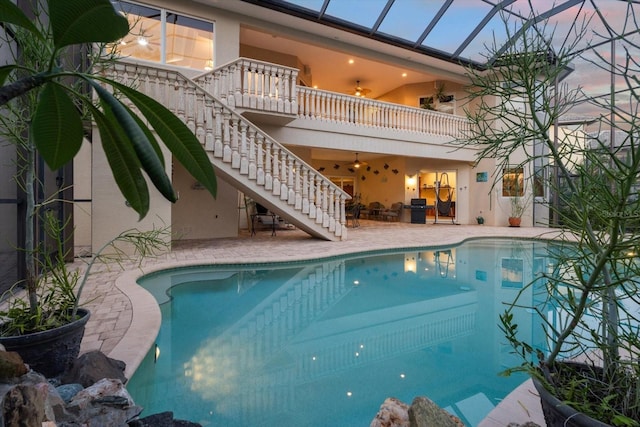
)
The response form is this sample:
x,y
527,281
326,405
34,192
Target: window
x,y
513,182
167,37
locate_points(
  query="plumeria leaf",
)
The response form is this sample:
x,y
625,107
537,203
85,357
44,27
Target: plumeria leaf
x,y
85,21
5,70
56,127
182,143
11,14
145,152
123,162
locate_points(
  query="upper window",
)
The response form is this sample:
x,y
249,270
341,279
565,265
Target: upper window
x,y
167,37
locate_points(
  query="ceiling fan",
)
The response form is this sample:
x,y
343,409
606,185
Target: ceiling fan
x,y
357,164
359,90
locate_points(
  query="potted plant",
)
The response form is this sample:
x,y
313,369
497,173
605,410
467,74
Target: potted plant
x,y
518,205
584,361
480,219
44,99
49,339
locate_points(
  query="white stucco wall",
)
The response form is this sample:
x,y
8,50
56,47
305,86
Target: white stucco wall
x,y
110,215
197,215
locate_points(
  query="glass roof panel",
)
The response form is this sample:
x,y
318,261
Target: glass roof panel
x,y
453,34
407,19
359,12
460,19
314,5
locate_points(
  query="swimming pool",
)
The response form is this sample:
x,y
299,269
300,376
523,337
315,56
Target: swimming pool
x,y
324,343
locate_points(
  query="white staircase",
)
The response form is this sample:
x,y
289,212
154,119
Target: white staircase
x,y
241,153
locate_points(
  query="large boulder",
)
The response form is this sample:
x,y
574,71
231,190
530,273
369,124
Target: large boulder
x,y
23,405
11,365
93,366
392,413
424,413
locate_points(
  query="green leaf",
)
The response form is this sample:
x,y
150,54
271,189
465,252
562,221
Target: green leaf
x,y
56,127
123,162
149,134
5,70
85,21
182,143
147,156
11,14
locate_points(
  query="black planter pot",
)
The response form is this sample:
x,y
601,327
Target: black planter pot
x,y
558,414
50,352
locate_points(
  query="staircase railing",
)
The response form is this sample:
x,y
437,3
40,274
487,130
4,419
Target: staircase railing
x,y
245,153
253,84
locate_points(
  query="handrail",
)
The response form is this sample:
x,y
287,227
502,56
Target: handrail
x,y
315,104
243,147
267,87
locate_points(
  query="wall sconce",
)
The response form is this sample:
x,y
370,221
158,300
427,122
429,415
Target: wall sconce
x,y
410,181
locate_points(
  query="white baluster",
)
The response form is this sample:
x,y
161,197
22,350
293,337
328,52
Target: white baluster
x,y
226,136
284,189
297,166
218,147
275,159
291,197
268,156
288,99
253,167
234,129
246,74
260,91
331,205
244,150
260,178
312,194
209,125
305,190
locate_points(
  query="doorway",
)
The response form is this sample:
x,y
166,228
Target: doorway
x,y
438,188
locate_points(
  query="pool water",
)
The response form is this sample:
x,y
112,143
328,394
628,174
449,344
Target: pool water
x,y
324,343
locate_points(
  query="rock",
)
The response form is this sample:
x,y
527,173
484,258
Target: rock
x,y
92,367
163,419
11,365
23,405
392,413
55,405
424,413
527,424
103,388
68,391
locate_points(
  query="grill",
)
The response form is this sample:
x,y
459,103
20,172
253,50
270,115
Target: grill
x,y
418,211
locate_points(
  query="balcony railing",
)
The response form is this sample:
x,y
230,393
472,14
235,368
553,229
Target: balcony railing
x,y
262,86
333,107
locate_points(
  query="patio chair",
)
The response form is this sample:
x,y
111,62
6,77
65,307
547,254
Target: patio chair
x,y
374,210
394,212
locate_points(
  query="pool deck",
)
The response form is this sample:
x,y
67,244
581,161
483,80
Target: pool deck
x,y
125,318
